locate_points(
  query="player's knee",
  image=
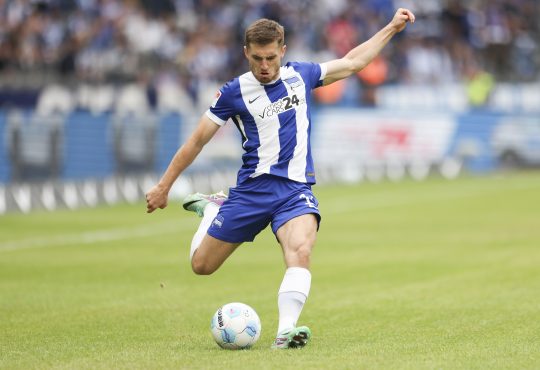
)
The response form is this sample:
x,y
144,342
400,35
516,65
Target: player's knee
x,y
201,267
301,254
304,253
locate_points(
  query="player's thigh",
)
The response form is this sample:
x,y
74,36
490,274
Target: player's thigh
x,y
211,254
297,238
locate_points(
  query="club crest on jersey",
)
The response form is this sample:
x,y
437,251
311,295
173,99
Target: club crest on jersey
x,y
293,82
282,105
218,95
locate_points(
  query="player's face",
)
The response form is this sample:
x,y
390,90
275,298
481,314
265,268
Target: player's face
x,y
265,60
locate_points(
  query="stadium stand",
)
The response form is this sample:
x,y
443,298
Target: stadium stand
x,y
193,43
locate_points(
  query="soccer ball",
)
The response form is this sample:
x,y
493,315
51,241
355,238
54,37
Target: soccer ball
x,y
235,326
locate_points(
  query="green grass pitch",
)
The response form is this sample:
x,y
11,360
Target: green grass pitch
x,y
411,275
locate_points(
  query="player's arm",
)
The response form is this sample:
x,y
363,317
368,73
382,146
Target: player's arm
x,y
157,197
363,54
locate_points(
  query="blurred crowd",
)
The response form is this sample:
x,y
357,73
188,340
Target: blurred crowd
x,y
196,43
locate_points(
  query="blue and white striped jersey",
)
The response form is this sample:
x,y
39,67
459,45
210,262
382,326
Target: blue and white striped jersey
x,y
274,120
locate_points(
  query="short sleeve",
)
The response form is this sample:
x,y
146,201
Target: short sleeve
x,y
322,76
222,107
313,73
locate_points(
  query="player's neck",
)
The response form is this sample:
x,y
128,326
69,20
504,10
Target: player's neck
x,y
267,83
273,81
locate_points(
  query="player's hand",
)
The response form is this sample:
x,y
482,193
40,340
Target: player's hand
x,y
157,197
401,18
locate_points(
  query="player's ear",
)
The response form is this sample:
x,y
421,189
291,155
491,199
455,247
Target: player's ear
x,y
283,50
246,51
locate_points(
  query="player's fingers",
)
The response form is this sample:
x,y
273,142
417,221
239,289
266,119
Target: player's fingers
x,y
411,16
150,207
405,15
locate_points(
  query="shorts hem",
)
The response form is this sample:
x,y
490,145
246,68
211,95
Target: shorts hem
x,y
297,214
226,239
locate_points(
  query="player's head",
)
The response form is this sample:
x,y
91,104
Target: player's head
x,y
264,48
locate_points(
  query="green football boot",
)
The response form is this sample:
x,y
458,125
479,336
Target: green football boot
x,y
292,338
197,202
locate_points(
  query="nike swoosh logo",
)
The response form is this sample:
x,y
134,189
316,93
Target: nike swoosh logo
x,y
251,101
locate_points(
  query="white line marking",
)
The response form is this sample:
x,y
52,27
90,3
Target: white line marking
x,y
99,236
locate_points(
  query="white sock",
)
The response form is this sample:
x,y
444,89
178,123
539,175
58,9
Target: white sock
x,y
292,296
210,212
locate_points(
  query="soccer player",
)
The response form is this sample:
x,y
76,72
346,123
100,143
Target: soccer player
x,y
270,106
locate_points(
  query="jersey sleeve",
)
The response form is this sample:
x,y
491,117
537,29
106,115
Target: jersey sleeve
x,y
222,107
313,73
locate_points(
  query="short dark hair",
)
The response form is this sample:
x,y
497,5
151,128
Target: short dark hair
x,y
263,32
